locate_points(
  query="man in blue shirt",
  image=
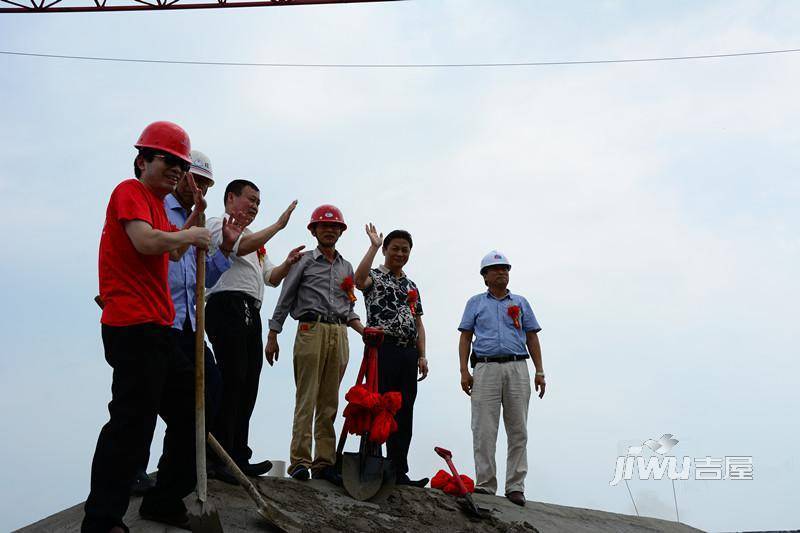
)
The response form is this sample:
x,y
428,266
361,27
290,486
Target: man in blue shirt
x,y
505,331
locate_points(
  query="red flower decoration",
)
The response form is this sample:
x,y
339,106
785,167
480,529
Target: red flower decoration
x,y
446,482
514,312
261,252
413,298
348,287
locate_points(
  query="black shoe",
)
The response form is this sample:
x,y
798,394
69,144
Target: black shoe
x,y
257,469
179,519
300,473
222,473
141,483
329,473
404,480
481,490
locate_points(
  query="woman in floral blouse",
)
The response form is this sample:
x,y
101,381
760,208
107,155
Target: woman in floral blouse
x,y
393,303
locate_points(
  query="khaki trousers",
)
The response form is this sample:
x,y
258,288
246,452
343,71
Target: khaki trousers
x,y
321,353
495,385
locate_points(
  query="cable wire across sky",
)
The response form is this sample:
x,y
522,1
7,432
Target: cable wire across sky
x,y
401,65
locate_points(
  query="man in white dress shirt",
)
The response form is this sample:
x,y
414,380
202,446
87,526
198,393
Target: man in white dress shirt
x,y
233,321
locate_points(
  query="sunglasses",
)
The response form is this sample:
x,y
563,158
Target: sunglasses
x,y
173,161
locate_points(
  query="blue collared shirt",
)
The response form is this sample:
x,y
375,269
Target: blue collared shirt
x,y
183,273
495,333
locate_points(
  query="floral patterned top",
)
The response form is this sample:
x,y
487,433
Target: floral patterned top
x,y
387,303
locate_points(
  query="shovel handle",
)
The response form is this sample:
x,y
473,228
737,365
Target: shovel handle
x,y
252,491
199,372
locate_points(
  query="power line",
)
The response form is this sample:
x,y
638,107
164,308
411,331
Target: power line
x,y
401,65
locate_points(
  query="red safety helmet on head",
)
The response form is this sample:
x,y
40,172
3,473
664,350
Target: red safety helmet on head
x,y
167,137
327,213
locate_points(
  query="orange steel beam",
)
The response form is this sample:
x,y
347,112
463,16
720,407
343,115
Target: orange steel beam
x,y
51,6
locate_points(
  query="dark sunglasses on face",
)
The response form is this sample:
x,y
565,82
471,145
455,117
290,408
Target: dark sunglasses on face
x,y
173,161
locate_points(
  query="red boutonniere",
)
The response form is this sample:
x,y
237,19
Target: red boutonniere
x,y
262,253
348,287
413,298
513,312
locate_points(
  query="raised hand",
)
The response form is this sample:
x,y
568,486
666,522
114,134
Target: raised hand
x,y
372,233
283,220
197,194
295,255
231,229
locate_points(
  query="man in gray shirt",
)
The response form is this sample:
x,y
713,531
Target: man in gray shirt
x,y
318,292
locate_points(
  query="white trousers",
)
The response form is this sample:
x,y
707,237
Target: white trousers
x,y
495,385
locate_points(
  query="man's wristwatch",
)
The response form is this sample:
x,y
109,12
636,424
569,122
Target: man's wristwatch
x,y
540,374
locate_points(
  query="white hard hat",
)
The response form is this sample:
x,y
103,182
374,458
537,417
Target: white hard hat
x,y
494,258
201,166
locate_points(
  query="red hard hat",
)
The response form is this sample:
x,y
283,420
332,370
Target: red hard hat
x,y
327,213
167,137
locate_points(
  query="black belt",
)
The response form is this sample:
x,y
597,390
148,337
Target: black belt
x,y
475,359
326,319
399,341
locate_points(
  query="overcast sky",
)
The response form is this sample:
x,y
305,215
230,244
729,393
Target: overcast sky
x,y
649,211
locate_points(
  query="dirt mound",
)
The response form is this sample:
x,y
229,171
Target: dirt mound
x,y
319,507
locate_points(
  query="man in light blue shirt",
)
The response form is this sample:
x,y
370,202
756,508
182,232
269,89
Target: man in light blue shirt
x,y
506,335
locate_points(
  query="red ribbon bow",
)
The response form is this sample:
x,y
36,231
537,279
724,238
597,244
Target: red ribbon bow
x,y
513,312
348,287
368,411
413,298
446,482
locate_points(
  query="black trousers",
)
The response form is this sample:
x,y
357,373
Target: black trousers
x,y
213,383
233,323
151,377
397,371
186,340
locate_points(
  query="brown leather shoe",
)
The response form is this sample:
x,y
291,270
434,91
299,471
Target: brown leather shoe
x,y
516,497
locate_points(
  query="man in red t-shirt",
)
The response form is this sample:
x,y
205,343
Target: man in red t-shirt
x,y
151,375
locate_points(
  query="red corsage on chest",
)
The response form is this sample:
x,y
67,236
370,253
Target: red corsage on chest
x,y
413,298
348,286
514,312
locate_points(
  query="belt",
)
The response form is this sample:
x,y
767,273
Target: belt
x,y
475,359
326,319
399,341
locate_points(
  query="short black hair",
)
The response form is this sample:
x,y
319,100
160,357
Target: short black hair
x,y
398,234
237,186
148,154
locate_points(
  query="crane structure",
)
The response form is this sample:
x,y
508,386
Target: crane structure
x,y
72,6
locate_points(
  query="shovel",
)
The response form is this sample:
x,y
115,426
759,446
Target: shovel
x,y
465,502
366,474
203,517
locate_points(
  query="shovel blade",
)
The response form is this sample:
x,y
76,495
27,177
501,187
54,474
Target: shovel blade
x,y
203,518
362,477
468,505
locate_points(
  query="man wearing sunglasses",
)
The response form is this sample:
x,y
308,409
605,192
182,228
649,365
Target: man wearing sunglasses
x,y
151,376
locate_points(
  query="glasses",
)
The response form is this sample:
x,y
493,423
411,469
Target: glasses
x,y
174,161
